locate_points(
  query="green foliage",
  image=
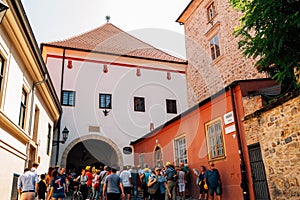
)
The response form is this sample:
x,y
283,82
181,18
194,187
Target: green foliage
x,y
270,32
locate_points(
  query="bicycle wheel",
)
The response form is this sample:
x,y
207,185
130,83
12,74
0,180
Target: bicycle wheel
x,y
77,196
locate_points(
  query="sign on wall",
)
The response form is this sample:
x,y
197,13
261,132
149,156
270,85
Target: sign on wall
x,y
228,118
127,150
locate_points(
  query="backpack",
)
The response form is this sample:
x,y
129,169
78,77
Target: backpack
x,y
154,187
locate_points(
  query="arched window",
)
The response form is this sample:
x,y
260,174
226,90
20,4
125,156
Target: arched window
x,y
158,157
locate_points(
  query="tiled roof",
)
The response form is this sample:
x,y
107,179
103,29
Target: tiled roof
x,y
112,40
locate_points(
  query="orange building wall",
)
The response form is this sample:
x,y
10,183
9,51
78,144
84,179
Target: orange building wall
x,y
193,127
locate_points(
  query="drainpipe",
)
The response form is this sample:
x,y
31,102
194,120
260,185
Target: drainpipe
x,y
61,98
244,181
34,85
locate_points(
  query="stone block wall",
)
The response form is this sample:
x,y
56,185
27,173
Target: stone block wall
x,y
278,132
252,104
204,75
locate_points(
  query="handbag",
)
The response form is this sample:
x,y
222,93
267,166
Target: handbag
x,y
153,188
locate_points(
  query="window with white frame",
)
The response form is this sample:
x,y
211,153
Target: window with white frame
x,y
214,137
180,151
214,47
158,157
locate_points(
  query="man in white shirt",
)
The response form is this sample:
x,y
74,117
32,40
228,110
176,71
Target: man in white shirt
x,y
125,175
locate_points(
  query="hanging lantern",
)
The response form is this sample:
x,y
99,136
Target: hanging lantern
x,y
169,76
70,65
138,72
105,68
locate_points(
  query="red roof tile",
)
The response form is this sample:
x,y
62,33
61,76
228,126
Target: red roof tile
x,y
112,40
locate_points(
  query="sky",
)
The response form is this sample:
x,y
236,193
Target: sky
x,y
152,21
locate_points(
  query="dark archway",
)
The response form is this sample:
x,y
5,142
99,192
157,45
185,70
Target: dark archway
x,y
91,152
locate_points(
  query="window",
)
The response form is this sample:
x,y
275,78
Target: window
x,y
49,138
23,108
141,160
211,11
158,157
214,47
105,101
68,98
180,151
1,70
171,106
215,139
139,104
14,190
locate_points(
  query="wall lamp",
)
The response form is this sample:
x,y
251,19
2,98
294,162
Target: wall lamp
x,y
65,134
3,9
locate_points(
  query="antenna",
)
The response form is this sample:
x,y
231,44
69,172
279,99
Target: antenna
x,y
107,17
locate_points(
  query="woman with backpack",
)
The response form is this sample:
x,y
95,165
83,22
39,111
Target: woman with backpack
x,y
83,179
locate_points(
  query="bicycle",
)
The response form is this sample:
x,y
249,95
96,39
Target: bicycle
x,y
77,194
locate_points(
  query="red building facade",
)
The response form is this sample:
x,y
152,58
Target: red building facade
x,y
211,131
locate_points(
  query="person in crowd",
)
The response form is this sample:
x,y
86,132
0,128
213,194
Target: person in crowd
x,y
27,185
42,188
163,189
201,183
57,185
181,182
125,176
113,187
144,180
103,175
90,180
48,178
187,172
83,179
62,174
34,170
135,181
153,186
171,183
96,185
213,179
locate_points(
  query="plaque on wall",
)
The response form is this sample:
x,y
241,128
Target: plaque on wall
x,y
127,150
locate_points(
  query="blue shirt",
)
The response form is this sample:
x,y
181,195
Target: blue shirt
x,y
170,172
112,183
27,181
212,177
161,181
58,184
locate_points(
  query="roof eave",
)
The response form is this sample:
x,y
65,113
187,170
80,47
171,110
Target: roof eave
x,y
188,11
114,54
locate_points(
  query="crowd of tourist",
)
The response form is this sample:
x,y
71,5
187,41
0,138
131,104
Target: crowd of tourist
x,y
111,183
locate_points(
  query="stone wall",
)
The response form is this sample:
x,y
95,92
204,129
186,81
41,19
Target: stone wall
x,y
278,132
204,76
252,104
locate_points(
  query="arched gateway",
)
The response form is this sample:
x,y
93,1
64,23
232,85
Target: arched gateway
x,y
90,149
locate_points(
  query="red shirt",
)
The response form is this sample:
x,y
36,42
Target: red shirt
x,y
90,178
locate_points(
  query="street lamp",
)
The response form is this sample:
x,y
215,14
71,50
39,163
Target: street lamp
x,y
3,9
65,134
